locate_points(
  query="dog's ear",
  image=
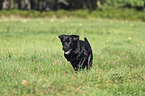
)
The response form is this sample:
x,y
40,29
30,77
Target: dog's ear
x,y
61,37
75,37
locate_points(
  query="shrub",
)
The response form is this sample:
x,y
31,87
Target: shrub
x,y
104,12
125,3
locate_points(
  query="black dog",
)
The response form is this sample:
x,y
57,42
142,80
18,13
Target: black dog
x,y
77,52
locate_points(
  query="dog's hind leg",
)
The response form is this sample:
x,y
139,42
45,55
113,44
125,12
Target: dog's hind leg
x,y
89,63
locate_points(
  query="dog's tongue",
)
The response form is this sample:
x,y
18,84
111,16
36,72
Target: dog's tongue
x,y
68,51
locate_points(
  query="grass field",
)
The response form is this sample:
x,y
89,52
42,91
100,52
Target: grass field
x,y
31,50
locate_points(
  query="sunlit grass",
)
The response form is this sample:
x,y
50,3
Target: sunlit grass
x,y
30,50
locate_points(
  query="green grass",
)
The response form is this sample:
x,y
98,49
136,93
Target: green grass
x,y
31,50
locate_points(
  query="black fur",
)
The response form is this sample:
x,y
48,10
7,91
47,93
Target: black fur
x,y
77,52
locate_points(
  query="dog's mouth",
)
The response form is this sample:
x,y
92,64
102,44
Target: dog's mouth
x,y
68,51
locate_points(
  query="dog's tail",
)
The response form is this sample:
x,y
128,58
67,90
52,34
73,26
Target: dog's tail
x,y
85,39
90,54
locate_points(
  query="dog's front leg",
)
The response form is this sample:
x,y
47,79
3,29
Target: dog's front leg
x,y
75,67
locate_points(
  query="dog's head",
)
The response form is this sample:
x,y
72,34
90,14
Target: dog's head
x,y
69,42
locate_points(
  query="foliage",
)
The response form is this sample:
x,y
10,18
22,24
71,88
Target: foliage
x,y
31,50
126,3
46,5
104,12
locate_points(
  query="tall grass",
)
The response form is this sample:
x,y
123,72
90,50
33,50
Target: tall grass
x,y
30,50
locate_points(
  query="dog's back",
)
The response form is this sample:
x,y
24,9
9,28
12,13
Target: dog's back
x,y
86,51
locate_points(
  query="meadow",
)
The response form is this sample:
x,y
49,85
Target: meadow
x,y
31,50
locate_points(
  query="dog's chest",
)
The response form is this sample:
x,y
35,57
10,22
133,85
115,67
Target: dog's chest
x,y
75,57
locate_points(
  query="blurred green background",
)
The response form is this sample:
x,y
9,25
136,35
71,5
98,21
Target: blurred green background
x,y
114,9
31,50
